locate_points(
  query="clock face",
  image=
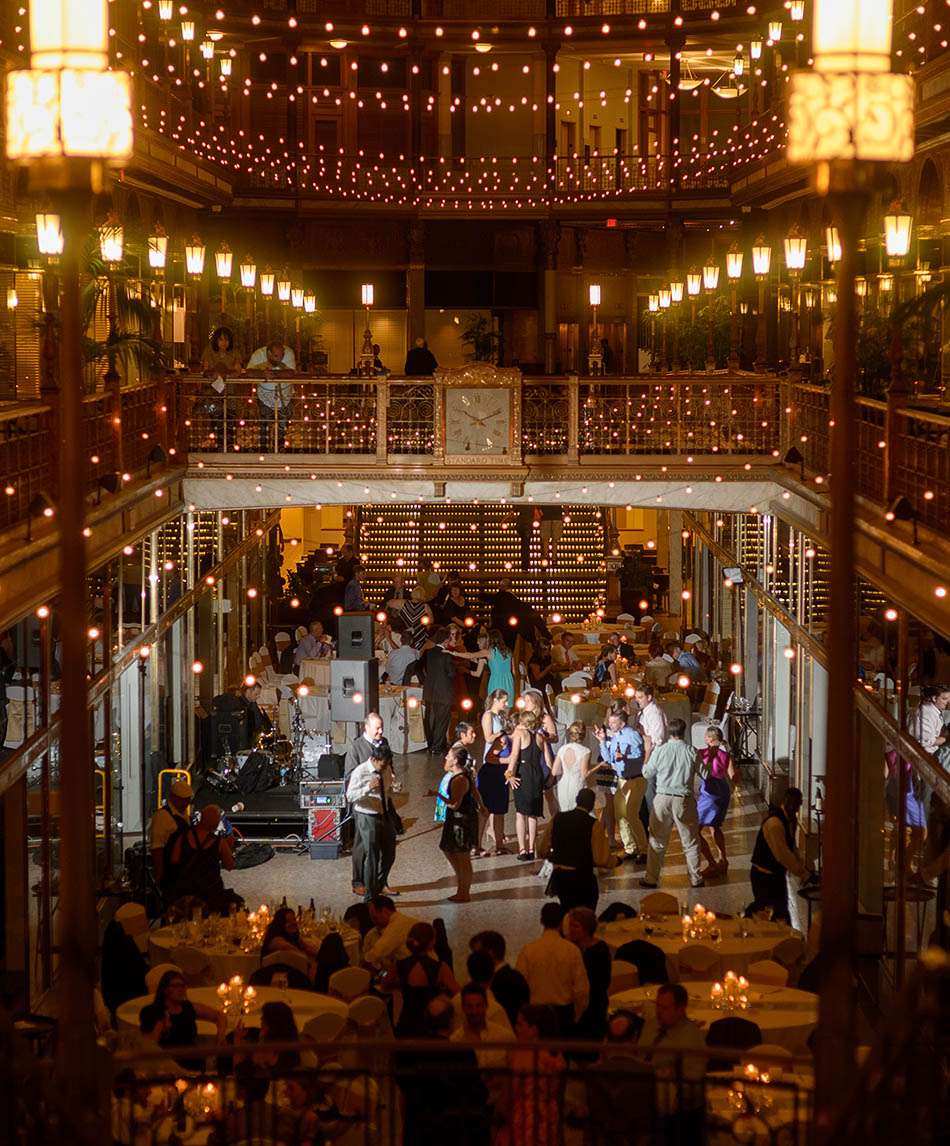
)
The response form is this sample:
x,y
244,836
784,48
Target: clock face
x,y
477,420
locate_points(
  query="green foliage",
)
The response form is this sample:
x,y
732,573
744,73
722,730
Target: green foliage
x,y
874,352
480,338
689,338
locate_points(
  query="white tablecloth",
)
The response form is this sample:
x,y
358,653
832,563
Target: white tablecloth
x,y
735,952
227,958
782,1107
304,1004
784,1015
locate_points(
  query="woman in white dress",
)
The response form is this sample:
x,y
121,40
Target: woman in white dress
x,y
571,766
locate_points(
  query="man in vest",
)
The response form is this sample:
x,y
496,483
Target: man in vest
x,y
774,856
170,818
578,845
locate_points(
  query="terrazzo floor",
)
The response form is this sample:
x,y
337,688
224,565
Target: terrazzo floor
x,y
506,895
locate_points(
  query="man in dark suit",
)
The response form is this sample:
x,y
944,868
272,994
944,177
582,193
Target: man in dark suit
x,y
578,846
508,986
370,743
438,693
529,623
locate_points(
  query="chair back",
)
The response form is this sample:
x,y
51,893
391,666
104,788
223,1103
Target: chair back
x,y
648,959
768,971
790,953
296,980
195,965
349,983
625,617
133,918
659,903
773,1050
368,1015
617,910
735,1033
325,1028
697,962
623,977
575,680
296,959
154,977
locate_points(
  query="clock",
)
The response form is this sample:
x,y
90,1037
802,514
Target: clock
x,y
477,421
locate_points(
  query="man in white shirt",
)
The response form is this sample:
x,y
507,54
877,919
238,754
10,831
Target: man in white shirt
x,y
274,399
554,969
387,941
653,729
926,724
367,794
476,1027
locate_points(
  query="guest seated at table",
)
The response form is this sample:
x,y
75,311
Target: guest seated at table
x,y
542,670
620,1087
421,977
402,663
481,971
181,1029
315,644
685,661
123,967
153,1027
331,957
679,1091
277,1026
283,934
387,941
562,652
605,668
197,855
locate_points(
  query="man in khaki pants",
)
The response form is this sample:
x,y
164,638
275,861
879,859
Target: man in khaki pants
x,y
621,749
674,765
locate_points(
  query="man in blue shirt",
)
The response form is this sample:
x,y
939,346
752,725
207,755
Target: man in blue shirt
x,y
621,747
353,594
687,662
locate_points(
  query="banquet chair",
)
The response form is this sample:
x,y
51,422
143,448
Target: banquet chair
x,y
324,1028
153,978
195,965
625,617
659,903
134,922
697,962
772,1050
769,972
296,959
369,1017
623,977
735,1033
648,959
617,910
296,980
575,680
350,983
791,954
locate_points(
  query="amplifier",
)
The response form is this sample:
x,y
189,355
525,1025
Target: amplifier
x,y
322,794
323,832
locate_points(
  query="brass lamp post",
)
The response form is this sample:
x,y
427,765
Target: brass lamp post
x,y
734,273
68,119
844,116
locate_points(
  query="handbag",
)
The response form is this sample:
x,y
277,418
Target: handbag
x,y
395,820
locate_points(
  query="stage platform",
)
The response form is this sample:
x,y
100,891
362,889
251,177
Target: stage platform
x,y
274,815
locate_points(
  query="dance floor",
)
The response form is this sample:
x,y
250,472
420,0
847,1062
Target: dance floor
x,y
506,895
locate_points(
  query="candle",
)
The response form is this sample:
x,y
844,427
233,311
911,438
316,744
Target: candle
x,y
222,989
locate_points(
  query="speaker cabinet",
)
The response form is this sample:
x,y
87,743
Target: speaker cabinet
x,y
355,632
354,688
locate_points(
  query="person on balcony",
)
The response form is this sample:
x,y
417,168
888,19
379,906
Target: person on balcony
x,y
274,399
218,362
420,361
353,594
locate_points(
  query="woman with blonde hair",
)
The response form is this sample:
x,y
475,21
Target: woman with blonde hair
x,y
526,778
571,766
491,776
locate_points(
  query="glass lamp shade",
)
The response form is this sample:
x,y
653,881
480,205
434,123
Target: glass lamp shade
x,y
775,31
734,262
796,11
12,299
755,49
867,116
195,256
309,302
886,283
225,64
283,290
248,271
808,298
796,250
296,297
852,35
267,282
207,49
594,294
861,287
111,241
761,257
188,30
653,303
833,244
222,261
69,34
694,282
738,64
897,231
49,233
711,276
676,290
367,294
157,249
165,9
665,298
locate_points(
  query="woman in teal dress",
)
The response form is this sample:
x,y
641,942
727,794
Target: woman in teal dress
x,y
500,675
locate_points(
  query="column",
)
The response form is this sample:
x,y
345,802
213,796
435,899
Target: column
x,y
675,561
550,99
751,652
549,238
782,732
869,816
539,116
415,282
818,718
631,246
458,77
443,81
582,309
16,890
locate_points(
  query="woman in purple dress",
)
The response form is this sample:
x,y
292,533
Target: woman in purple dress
x,y
718,775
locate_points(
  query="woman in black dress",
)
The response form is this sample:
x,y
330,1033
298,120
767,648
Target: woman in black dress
x,y
421,976
183,1015
525,776
460,828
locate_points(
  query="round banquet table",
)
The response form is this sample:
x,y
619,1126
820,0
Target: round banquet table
x,y
305,1005
782,1109
736,952
785,1016
226,958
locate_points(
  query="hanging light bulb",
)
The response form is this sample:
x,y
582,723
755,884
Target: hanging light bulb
x,y
111,240
267,282
734,262
49,233
222,261
248,272
157,248
195,256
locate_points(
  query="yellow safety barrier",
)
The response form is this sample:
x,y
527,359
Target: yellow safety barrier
x,y
166,778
